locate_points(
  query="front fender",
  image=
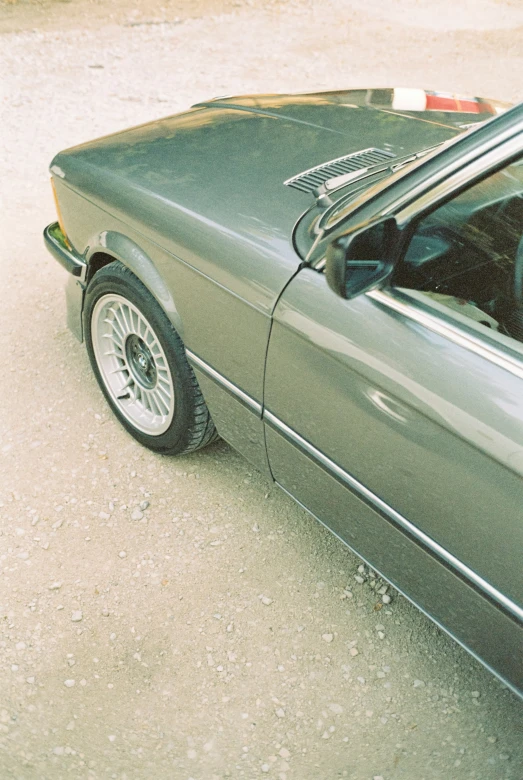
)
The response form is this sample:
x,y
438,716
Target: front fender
x,y
127,252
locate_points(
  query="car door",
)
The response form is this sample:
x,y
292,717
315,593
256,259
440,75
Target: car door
x,y
397,419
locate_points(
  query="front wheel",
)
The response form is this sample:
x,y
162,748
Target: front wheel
x,y
139,361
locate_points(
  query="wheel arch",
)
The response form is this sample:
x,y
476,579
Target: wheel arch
x,y
109,246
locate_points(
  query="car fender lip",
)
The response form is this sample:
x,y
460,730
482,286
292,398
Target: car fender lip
x,y
55,243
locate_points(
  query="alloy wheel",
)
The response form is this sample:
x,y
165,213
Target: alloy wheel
x,y
132,364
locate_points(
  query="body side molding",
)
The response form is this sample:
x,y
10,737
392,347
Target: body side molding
x,y
234,390
394,517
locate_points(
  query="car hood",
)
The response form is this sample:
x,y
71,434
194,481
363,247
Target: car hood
x,y
223,164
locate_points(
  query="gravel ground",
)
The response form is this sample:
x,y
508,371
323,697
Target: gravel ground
x,y
180,619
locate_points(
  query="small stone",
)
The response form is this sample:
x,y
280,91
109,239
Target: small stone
x,y
354,651
55,586
23,556
359,579
30,680
122,554
70,683
144,505
265,767
385,598
266,600
104,516
418,684
77,616
137,514
475,694
105,612
58,524
111,737
280,712
284,753
327,638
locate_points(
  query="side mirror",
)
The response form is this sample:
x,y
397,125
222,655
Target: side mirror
x,y
359,261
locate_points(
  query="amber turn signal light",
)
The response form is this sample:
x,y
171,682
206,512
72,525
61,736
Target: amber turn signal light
x,y
59,214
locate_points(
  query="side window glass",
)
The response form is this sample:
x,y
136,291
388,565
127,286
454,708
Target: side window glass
x,y
467,255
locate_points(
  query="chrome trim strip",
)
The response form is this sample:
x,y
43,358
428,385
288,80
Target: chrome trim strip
x,y
460,642
451,332
394,516
479,161
221,380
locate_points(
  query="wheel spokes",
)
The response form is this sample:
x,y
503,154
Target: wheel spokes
x,y
133,364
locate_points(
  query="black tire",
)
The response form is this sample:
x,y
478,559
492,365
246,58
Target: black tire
x,y
187,424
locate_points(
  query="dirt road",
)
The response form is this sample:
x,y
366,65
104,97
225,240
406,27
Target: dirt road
x,y
211,637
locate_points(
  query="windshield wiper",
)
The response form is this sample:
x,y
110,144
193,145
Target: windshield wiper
x,y
321,193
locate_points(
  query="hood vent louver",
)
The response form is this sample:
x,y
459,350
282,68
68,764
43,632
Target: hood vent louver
x,y
309,180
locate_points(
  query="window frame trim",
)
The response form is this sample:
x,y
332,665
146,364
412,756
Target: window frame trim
x,y
401,303
424,314
460,181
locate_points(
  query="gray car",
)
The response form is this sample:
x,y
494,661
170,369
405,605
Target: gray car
x,y
333,283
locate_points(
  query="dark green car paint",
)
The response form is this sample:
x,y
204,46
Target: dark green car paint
x,y
195,205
